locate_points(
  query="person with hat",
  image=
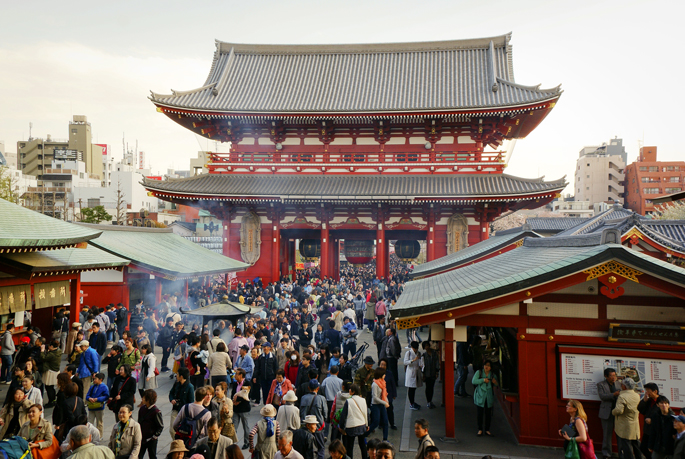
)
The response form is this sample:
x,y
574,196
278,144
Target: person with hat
x,y
627,425
89,365
177,450
288,414
315,404
268,431
679,447
364,378
266,367
303,438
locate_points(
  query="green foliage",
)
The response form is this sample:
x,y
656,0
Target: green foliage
x,y
7,185
95,214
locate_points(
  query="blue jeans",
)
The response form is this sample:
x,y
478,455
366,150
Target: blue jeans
x,y
379,417
110,335
413,332
5,374
460,385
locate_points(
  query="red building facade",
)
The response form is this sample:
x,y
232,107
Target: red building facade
x,y
648,178
374,143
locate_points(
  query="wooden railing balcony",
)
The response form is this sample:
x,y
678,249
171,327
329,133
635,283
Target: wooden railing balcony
x,y
351,161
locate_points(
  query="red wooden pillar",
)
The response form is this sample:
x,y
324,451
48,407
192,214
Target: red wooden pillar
x,y
336,259
381,267
484,234
127,293
325,253
185,291
523,370
286,256
75,300
448,387
275,252
430,238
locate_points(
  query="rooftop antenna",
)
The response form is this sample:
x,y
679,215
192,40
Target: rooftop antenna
x,y
30,128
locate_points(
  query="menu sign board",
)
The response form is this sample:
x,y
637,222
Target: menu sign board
x,y
662,334
581,373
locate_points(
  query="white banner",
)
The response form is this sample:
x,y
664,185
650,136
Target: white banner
x,y
580,374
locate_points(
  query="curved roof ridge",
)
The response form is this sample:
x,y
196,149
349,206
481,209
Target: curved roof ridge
x,y
535,88
499,41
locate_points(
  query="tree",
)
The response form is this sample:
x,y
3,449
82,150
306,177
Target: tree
x,y
672,211
95,214
8,185
120,206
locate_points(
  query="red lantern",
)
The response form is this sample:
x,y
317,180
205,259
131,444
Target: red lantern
x,y
359,252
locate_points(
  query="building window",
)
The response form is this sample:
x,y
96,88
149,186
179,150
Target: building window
x,y
651,190
587,187
588,176
670,168
643,168
673,190
653,168
80,174
676,168
588,164
645,179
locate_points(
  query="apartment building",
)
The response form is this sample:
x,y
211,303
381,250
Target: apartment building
x,y
648,178
600,173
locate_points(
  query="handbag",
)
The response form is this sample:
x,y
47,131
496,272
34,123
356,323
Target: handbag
x,y
572,450
112,402
94,405
50,452
586,449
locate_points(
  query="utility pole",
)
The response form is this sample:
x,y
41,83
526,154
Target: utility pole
x,y
80,215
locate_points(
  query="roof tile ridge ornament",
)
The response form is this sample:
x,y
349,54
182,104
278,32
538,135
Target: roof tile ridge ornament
x,y
534,88
499,41
222,82
492,79
532,180
174,93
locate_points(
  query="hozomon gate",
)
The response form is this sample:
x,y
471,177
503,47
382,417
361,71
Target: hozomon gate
x,y
372,142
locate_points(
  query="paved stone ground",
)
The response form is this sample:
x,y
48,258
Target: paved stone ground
x,y
468,445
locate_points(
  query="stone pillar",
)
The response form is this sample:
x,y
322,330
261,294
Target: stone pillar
x,y
74,300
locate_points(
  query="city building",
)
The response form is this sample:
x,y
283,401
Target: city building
x,y
648,178
600,173
36,154
569,207
371,143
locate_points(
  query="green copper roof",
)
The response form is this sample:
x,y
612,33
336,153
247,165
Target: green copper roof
x,y
535,263
163,252
220,310
23,228
58,260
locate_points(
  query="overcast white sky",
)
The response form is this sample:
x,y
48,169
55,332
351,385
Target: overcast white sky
x,y
619,63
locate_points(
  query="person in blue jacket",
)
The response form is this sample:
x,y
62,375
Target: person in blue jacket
x,y
96,399
89,365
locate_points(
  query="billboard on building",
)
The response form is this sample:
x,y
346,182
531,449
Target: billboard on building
x,y
104,148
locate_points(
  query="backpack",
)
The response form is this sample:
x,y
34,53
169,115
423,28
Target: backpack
x,y
187,429
335,419
15,448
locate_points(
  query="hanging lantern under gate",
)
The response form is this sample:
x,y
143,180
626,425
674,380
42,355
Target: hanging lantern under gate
x,y
359,252
407,250
310,249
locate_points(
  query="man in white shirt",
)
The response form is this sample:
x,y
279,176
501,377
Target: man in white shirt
x,y
330,388
285,447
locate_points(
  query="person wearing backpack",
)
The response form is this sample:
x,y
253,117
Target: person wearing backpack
x,y
191,423
194,362
122,319
181,394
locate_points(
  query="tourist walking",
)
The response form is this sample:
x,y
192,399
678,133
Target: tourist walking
x,y
412,373
89,365
661,440
354,422
430,371
379,403
123,391
279,387
484,397
288,414
267,431
38,432
147,379
126,438
578,423
151,424
219,362
96,399
7,350
649,410
425,440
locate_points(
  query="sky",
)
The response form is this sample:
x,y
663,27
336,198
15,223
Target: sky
x,y
618,63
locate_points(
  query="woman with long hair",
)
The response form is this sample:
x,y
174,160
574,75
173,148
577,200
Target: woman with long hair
x,y
225,404
51,363
219,364
577,422
72,409
234,452
123,390
131,355
14,414
36,430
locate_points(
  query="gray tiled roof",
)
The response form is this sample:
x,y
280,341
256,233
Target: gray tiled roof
x,y
588,225
393,77
470,253
545,225
350,187
521,269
